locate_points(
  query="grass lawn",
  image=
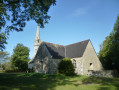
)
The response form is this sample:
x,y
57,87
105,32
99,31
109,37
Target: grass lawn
x,y
35,81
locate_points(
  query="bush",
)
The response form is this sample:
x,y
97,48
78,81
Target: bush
x,y
66,67
6,66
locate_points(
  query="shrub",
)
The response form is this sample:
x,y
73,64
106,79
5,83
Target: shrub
x,y
66,67
6,66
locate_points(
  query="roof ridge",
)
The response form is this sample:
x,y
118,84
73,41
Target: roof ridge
x,y
78,42
53,43
66,45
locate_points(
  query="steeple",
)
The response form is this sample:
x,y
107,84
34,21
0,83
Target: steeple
x,y
37,40
37,33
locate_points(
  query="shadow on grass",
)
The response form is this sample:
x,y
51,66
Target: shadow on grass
x,y
36,81
32,81
105,83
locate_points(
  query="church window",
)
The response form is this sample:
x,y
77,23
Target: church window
x,y
41,63
91,65
74,63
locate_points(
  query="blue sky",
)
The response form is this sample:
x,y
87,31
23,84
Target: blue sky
x,y
71,21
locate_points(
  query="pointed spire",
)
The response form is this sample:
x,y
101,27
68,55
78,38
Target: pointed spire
x,y
37,41
37,33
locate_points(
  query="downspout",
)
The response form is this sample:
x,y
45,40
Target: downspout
x,y
65,51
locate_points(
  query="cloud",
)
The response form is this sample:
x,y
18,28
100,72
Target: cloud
x,y
84,10
80,11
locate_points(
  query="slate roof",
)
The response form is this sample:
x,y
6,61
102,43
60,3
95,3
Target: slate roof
x,y
60,51
57,51
76,49
70,51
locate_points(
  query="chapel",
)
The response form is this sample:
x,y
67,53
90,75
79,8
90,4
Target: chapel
x,y
48,55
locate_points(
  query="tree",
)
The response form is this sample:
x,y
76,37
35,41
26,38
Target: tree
x,y
20,57
66,67
109,52
4,57
3,41
19,11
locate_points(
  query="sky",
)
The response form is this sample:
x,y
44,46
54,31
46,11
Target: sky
x,y
71,21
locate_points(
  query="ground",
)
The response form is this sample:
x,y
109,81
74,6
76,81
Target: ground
x,y
35,81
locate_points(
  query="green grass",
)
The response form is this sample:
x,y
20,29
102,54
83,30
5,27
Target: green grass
x,y
35,81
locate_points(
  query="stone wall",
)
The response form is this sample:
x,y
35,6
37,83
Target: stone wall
x,y
53,66
1,68
79,65
91,61
101,73
47,65
41,65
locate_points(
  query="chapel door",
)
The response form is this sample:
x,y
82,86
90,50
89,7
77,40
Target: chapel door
x,y
41,66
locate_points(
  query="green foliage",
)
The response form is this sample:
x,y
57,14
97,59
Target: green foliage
x,y
20,56
4,57
3,39
17,12
109,51
66,67
6,66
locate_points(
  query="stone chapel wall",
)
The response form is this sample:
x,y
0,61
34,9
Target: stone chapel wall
x,y
91,61
78,65
53,66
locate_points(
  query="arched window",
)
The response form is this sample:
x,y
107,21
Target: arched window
x,y
74,63
91,66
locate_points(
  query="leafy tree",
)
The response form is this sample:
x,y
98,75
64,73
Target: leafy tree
x,y
4,57
66,67
17,12
109,52
3,39
20,56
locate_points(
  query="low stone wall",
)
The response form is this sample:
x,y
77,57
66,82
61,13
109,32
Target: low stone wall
x,y
1,68
101,73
